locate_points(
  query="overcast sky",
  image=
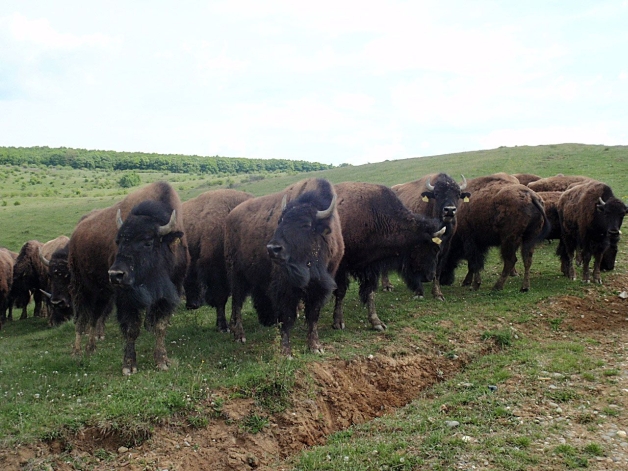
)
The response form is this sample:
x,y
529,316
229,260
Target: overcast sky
x,y
328,81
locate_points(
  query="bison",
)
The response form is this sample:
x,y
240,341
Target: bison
x,y
550,202
204,223
436,195
30,275
590,218
379,232
556,183
501,213
59,300
525,178
282,249
7,261
134,255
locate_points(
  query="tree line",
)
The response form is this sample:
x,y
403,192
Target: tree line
x,y
175,163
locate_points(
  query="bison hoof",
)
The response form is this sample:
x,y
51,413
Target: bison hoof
x,y
380,327
524,290
241,340
340,326
317,350
417,296
128,371
163,366
388,288
439,297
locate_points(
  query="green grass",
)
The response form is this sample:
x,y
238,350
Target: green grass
x,y
47,393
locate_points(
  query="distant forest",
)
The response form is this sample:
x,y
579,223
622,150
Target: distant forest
x,y
111,160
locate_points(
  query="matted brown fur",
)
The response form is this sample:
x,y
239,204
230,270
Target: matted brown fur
x,y
525,178
550,200
557,182
6,280
204,221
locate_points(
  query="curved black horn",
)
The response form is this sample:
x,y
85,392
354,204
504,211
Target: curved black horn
x,y
428,185
168,228
119,221
601,201
326,213
43,259
463,186
48,295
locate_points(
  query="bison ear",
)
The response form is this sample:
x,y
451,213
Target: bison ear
x,y
172,239
427,195
465,196
323,228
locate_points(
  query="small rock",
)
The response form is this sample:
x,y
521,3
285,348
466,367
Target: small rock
x,y
492,387
466,438
621,433
122,449
623,295
452,423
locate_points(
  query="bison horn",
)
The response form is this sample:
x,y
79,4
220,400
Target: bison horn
x,y
325,214
284,203
428,185
601,201
463,186
168,228
119,219
48,295
440,233
43,259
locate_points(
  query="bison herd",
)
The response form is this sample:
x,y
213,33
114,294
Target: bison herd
x,y
290,251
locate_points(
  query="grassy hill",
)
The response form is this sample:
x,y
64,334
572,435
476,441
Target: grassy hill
x,y
49,395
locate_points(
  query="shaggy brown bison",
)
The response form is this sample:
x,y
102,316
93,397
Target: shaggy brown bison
x,y
204,222
525,178
591,219
550,201
500,214
59,300
282,249
379,232
557,183
7,262
30,275
133,254
436,195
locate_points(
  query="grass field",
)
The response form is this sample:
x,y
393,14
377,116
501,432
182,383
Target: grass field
x,y
47,394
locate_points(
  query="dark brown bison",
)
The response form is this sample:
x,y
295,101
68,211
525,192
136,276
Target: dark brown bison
x,y
282,249
204,222
30,275
550,201
591,219
59,300
557,183
500,214
133,254
7,261
379,232
525,178
436,195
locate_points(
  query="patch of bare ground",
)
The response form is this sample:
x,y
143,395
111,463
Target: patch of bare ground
x,y
335,394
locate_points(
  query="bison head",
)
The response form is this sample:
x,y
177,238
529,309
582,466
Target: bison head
x,y
420,263
446,194
145,252
610,215
59,296
299,244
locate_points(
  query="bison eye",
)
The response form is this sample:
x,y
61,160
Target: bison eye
x,y
148,243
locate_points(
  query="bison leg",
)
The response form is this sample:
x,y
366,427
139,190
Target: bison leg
x,y
436,292
100,328
597,268
130,332
342,282
509,257
527,254
24,312
40,309
386,284
313,304
468,279
375,321
160,355
235,323
221,318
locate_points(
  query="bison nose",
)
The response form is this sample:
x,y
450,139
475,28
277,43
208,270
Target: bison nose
x,y
449,211
116,276
274,250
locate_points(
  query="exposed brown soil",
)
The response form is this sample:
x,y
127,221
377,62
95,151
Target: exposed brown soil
x,y
332,396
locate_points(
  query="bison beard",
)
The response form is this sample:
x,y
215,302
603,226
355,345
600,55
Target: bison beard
x,y
144,276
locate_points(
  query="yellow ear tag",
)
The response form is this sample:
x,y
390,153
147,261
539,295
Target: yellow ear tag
x,y
466,199
176,242
425,199
437,240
